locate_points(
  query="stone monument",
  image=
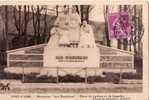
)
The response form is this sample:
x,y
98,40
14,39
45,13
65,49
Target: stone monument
x,y
71,44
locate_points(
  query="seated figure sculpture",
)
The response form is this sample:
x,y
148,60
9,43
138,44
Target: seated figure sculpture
x,y
78,41
68,33
62,22
74,27
68,27
54,37
86,36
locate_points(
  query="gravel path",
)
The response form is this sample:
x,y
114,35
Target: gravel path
x,y
18,87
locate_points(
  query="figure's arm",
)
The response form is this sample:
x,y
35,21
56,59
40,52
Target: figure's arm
x,y
79,19
91,30
81,31
67,21
65,24
53,31
56,23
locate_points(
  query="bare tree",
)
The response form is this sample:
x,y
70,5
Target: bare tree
x,y
135,20
125,40
77,9
4,37
17,19
6,27
106,10
26,21
135,25
85,9
82,16
140,28
36,15
119,45
21,20
45,26
57,7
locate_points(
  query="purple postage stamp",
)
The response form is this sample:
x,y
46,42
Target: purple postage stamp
x,y
118,25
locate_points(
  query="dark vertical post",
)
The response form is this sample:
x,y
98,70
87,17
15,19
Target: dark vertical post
x,y
19,20
87,13
57,10
106,10
86,75
82,16
6,25
135,25
23,76
140,32
77,9
57,74
119,41
121,73
125,40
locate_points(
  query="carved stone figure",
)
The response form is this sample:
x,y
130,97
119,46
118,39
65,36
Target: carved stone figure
x,y
54,37
86,36
74,27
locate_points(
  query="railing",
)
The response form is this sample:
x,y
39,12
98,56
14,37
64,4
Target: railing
x,y
87,74
26,48
63,69
22,51
56,72
112,48
85,70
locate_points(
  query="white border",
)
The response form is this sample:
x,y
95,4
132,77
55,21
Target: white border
x,y
133,96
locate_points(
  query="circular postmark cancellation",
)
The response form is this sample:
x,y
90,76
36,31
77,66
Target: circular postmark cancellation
x,y
135,36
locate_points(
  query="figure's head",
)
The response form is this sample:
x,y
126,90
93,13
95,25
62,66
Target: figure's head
x,y
74,9
84,23
65,9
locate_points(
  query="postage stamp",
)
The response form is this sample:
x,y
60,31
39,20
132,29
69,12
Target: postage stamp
x,y
118,25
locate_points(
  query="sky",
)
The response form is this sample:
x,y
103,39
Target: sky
x,y
97,14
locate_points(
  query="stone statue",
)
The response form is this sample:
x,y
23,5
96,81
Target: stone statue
x,y
54,38
68,33
86,36
62,22
74,27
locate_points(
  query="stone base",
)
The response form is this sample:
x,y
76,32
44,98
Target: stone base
x,y
71,57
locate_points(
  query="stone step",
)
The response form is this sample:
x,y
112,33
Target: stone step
x,y
132,81
25,57
36,51
106,51
116,58
108,65
25,63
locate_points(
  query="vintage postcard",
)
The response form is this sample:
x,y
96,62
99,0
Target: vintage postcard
x,y
74,50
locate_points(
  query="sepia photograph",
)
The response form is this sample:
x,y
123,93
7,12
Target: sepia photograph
x,y
71,48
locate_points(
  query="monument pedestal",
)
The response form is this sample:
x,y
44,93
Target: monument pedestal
x,y
71,57
70,60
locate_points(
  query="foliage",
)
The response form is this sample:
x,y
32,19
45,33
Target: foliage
x,y
71,78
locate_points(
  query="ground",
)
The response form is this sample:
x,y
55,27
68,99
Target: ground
x,y
18,87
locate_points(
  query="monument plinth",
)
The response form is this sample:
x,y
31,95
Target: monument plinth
x,y
71,57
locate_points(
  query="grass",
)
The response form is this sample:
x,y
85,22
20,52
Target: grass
x,y
110,77
76,88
